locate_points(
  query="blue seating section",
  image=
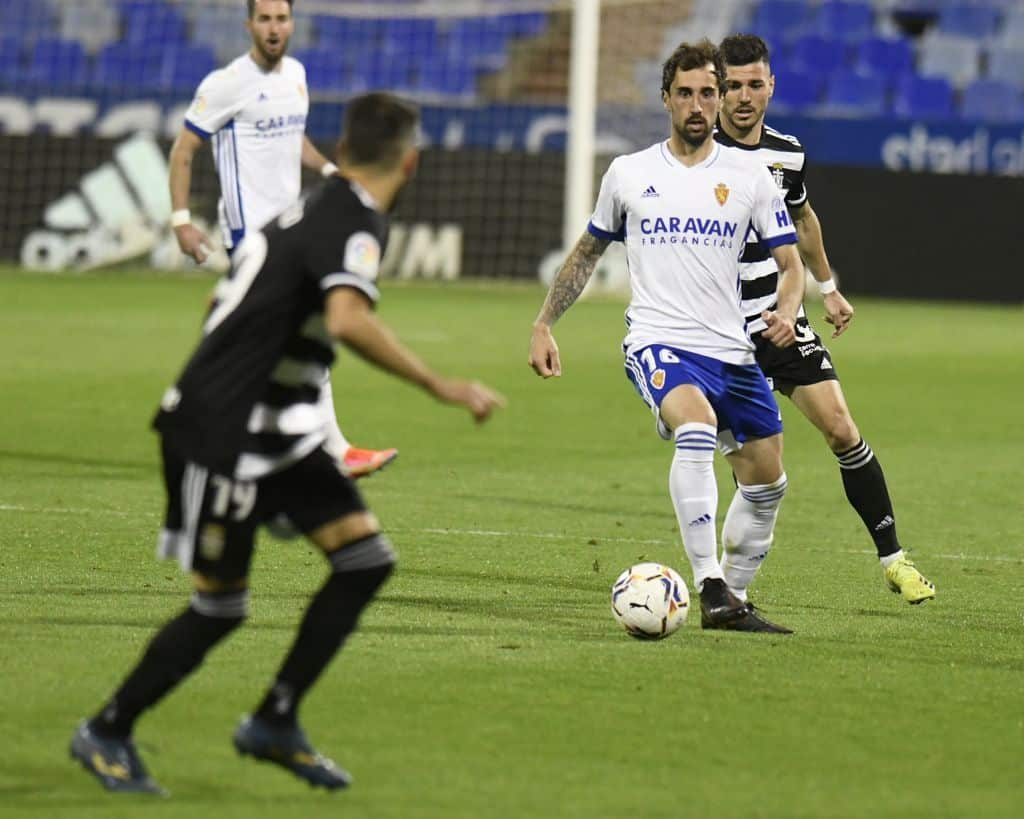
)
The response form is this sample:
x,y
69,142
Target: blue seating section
x,y
834,57
956,57
168,46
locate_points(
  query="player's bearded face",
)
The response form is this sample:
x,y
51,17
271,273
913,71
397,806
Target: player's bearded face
x,y
747,91
271,28
693,102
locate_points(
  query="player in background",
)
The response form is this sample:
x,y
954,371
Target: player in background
x,y
804,372
242,444
682,208
254,113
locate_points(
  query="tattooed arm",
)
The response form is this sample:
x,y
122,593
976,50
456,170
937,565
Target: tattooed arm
x,y
569,282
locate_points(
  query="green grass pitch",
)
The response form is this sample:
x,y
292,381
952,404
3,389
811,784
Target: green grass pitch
x,y
489,680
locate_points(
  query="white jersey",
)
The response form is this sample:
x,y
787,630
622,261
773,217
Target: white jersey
x,y
257,120
684,229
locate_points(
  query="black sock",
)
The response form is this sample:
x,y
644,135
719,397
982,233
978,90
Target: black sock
x,y
174,653
331,617
865,487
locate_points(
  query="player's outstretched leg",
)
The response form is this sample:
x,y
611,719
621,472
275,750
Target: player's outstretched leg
x,y
867,492
358,463
272,733
103,744
114,761
286,745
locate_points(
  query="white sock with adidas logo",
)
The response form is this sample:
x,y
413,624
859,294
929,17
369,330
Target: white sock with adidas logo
x,y
747,532
691,482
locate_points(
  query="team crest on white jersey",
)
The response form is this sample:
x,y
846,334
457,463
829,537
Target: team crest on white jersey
x,y
778,175
722,193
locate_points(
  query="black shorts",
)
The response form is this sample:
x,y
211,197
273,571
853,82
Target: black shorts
x,y
806,362
212,519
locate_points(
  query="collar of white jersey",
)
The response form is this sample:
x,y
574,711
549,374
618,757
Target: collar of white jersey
x,y
277,69
364,195
671,159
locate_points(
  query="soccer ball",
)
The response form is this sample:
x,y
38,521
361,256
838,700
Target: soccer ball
x,y
650,601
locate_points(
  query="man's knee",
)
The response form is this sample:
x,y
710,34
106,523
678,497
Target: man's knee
x,y
336,534
840,432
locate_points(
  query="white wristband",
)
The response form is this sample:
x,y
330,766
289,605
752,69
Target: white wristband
x,y
827,286
330,169
181,217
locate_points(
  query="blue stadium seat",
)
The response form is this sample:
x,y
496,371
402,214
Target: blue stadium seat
x,y
379,71
892,57
327,69
958,59
153,24
446,79
525,24
979,22
11,68
855,95
781,20
127,68
1006,63
184,67
796,91
479,41
815,54
992,101
58,64
845,20
27,19
923,98
356,34
410,36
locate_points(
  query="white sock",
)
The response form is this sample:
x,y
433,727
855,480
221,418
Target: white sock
x,y
888,560
336,444
691,482
747,532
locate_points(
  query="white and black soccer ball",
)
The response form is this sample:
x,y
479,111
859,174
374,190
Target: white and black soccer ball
x,y
650,601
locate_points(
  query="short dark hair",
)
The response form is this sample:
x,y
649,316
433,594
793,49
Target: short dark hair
x,y
744,49
251,5
378,127
688,56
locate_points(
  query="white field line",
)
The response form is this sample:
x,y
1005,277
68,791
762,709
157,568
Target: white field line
x,y
66,510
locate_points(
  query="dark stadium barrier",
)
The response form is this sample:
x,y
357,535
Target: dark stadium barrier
x,y
922,236
888,234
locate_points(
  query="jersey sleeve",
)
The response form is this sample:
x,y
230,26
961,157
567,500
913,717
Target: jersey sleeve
x,y
609,219
349,259
216,102
797,193
771,217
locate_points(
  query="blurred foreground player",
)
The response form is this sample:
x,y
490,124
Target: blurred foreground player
x,y
254,113
242,443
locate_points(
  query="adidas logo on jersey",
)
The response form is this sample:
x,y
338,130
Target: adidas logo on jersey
x,y
826,364
649,192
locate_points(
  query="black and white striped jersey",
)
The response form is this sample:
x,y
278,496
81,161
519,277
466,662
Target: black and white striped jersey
x,y
246,403
759,276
